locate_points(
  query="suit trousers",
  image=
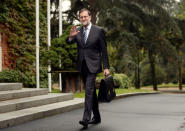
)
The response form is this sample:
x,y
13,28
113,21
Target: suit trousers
x,y
91,101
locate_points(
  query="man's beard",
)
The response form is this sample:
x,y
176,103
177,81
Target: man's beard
x,y
86,23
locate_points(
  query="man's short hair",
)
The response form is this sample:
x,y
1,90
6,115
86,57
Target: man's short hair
x,y
84,9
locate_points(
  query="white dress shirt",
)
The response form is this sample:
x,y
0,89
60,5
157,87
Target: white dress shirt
x,y
88,28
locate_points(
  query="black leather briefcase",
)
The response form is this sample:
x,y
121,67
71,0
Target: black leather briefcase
x,y
106,91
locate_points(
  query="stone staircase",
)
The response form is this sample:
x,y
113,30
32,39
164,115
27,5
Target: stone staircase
x,y
19,105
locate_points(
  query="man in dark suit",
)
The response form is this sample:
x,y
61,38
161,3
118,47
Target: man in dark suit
x,y
92,51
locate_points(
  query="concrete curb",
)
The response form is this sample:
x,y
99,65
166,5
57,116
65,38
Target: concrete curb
x,y
134,94
119,96
172,92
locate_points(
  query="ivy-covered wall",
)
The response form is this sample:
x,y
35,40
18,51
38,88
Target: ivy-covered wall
x,y
17,19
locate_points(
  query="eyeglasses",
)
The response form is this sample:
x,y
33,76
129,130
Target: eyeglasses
x,y
81,17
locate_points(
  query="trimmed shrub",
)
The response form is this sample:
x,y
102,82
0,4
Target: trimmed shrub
x,y
120,80
8,75
27,78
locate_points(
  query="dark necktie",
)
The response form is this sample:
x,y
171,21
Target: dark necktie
x,y
85,35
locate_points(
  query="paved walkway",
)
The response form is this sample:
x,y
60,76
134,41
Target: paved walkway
x,y
156,112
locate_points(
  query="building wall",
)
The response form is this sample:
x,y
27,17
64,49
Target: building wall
x,y
6,61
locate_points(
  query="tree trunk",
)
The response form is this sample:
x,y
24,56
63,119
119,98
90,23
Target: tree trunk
x,y
138,71
152,64
137,74
180,75
136,78
179,68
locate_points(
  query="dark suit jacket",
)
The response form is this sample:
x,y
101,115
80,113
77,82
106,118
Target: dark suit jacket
x,y
94,51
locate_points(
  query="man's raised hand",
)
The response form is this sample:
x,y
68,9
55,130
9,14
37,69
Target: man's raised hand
x,y
73,32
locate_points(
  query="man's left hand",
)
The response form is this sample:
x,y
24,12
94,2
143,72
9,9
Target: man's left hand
x,y
106,72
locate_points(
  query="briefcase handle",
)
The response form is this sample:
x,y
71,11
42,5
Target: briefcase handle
x,y
105,76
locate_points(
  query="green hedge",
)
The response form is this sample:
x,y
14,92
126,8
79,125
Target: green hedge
x,y
10,76
121,80
27,78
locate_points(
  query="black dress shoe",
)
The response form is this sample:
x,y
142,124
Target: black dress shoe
x,y
94,121
84,123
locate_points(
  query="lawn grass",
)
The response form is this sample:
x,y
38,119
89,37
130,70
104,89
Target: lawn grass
x,y
124,91
55,90
118,91
130,90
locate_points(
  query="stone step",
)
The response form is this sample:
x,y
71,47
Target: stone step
x,y
25,115
24,92
23,103
10,86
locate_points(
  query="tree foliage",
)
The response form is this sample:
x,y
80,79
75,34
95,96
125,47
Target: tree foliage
x,y
61,53
137,28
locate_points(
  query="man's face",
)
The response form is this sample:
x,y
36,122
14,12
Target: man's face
x,y
85,18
